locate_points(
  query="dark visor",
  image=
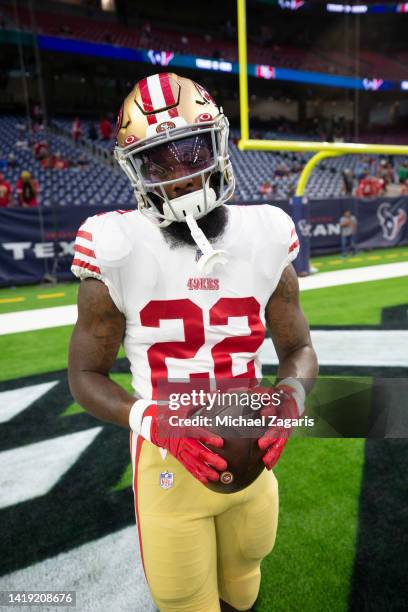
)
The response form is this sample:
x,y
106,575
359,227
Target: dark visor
x,y
176,159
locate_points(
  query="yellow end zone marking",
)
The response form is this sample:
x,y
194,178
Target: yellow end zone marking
x,y
391,256
11,300
49,296
374,257
335,262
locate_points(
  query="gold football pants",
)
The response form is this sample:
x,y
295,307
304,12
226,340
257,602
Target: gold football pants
x,y
198,546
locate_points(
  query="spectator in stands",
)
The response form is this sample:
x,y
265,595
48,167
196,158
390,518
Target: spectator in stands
x,y
59,163
5,192
281,169
27,190
362,170
76,129
41,150
348,229
82,161
389,173
92,131
105,128
383,172
347,177
11,160
370,187
37,118
22,136
266,189
404,188
3,162
403,173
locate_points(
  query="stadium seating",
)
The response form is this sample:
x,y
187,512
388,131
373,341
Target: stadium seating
x,y
104,30
100,184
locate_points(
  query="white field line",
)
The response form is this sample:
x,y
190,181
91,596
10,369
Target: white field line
x,y
353,347
58,316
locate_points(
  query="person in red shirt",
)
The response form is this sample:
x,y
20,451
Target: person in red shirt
x,y
27,190
5,192
370,187
105,128
58,162
41,150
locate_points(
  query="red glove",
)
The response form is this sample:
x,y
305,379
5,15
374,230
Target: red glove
x,y
151,422
291,406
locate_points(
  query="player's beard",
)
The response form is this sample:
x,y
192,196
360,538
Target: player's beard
x,y
213,225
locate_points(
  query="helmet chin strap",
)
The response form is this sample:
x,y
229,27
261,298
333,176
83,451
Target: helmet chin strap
x,y
210,257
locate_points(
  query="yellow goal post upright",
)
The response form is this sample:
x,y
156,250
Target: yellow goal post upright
x,y
322,150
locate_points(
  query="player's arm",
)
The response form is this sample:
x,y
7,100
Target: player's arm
x,y
290,331
94,346
298,365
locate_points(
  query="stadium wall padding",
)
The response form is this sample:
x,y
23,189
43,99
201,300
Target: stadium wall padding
x,y
39,242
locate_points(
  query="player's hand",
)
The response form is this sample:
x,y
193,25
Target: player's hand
x,y
291,406
201,462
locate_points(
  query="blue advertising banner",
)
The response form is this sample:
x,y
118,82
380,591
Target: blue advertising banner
x,y
34,246
381,222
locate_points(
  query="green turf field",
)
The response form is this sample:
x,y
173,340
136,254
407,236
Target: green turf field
x,y
329,263
311,566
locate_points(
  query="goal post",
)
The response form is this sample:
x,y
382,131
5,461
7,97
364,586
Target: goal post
x,y
322,150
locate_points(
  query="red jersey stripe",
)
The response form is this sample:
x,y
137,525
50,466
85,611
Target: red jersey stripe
x,y
87,266
293,232
293,246
84,250
84,234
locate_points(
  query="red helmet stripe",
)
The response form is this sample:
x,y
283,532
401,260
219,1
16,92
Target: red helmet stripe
x,y
147,101
166,89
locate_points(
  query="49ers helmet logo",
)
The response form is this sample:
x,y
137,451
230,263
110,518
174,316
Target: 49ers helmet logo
x,y
204,117
130,139
166,125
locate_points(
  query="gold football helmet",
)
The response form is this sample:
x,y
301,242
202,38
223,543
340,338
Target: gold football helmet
x,y
169,129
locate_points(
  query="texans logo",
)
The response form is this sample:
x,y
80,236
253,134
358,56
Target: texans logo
x,y
391,223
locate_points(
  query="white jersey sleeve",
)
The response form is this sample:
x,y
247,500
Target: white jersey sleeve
x,y
293,245
85,264
281,229
99,251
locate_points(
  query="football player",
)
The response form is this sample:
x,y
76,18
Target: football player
x,y
188,285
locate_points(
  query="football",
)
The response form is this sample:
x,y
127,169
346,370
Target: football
x,y
241,452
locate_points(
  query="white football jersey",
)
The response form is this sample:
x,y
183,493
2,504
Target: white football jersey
x,y
180,322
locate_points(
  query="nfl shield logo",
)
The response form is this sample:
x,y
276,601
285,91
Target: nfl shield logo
x,y
166,480
198,254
